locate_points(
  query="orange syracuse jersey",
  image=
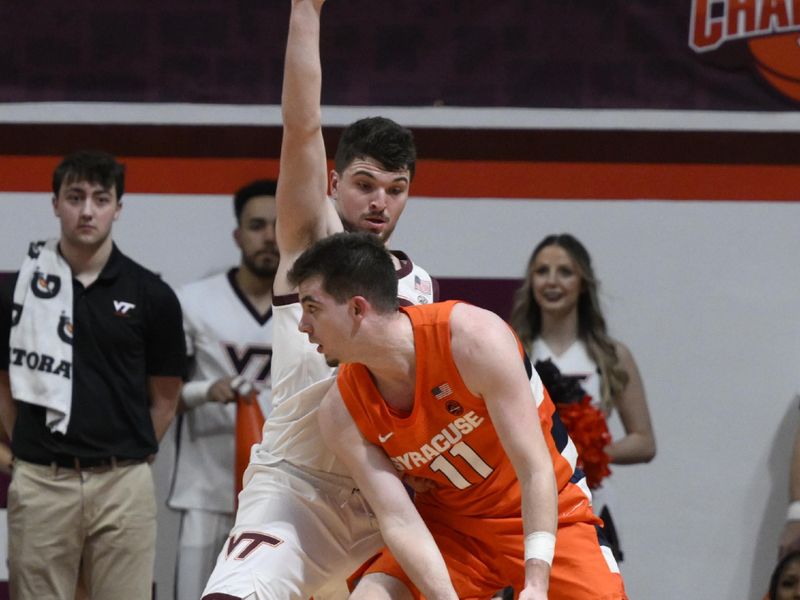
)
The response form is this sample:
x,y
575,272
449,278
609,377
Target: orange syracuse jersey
x,y
448,436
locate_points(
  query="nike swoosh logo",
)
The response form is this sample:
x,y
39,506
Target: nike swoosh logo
x,y
383,438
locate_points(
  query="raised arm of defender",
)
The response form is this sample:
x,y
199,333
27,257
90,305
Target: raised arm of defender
x,y
304,212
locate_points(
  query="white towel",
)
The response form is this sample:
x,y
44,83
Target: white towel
x,y
40,368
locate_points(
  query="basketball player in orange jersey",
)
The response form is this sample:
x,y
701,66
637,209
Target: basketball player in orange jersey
x,y
428,391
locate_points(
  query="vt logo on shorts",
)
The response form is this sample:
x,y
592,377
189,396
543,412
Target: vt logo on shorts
x,y
253,539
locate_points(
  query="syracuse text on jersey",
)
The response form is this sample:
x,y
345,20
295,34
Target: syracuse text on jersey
x,y
443,441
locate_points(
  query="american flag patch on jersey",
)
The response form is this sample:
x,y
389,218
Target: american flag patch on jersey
x,y
442,391
422,286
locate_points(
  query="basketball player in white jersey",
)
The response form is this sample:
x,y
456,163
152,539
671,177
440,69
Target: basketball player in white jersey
x,y
228,325
302,526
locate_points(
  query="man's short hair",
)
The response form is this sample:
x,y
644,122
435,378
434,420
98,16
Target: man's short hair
x,y
259,187
378,138
94,166
350,264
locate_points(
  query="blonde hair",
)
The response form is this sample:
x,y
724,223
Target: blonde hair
x,y
526,318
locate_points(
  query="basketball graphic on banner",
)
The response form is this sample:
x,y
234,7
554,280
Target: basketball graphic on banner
x,y
777,58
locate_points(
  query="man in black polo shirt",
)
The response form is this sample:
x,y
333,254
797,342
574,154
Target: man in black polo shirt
x,y
87,400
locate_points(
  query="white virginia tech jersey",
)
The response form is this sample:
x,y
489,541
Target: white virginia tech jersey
x,y
226,337
300,378
575,361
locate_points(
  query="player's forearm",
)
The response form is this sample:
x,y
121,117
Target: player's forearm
x,y
302,76
402,527
416,551
539,516
194,393
164,393
539,501
162,414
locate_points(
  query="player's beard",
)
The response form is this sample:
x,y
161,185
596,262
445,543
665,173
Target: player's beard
x,y
261,267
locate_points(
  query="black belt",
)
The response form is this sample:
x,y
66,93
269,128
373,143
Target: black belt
x,y
90,464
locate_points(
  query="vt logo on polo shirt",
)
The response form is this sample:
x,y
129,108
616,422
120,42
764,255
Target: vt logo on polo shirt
x,y
122,308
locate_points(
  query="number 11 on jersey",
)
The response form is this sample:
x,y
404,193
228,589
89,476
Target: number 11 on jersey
x,y
449,470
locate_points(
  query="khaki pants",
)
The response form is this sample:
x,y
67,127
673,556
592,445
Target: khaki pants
x,y
61,520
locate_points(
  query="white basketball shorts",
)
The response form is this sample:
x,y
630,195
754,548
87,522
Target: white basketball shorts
x,y
297,534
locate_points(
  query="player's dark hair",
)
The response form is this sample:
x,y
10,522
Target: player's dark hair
x,y
378,138
350,264
259,187
94,166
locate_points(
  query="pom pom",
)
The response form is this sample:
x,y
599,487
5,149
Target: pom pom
x,y
585,423
588,430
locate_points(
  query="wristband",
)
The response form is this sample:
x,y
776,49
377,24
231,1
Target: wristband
x,y
793,513
195,393
540,545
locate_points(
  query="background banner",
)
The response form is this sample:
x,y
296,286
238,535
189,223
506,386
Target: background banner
x,y
683,54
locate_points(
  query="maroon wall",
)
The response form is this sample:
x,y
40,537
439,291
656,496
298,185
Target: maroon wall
x,y
533,53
